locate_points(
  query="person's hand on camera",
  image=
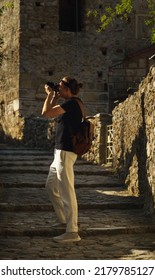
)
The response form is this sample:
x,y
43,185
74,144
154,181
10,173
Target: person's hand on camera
x,y
49,91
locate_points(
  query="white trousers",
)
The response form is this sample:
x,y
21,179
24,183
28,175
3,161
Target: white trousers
x,y
60,187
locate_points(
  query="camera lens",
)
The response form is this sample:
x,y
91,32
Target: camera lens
x,y
50,84
53,86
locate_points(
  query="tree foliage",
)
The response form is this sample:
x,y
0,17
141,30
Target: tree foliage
x,y
108,11
151,18
8,4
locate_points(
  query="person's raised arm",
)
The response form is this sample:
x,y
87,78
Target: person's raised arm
x,y
50,106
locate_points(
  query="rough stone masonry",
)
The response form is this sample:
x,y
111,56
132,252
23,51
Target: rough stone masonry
x,y
38,46
134,140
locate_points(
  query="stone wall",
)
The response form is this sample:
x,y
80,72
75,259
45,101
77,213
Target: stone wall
x,y
40,133
134,140
48,53
98,151
9,72
37,50
125,77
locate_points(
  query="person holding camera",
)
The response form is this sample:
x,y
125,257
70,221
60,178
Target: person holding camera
x,y
60,180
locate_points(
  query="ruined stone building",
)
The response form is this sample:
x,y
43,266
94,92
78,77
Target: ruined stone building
x,y
45,40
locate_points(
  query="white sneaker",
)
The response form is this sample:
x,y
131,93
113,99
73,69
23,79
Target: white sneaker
x,y
67,237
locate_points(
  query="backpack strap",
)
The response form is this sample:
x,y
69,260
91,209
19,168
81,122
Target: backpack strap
x,y
79,101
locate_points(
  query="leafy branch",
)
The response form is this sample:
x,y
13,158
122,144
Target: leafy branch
x,y
108,13
151,19
7,5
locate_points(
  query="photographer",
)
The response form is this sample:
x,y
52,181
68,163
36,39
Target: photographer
x,y
60,180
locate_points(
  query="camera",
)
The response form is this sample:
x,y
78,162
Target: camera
x,y
53,86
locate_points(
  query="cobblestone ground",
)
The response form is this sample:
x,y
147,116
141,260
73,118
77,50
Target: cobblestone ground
x,y
119,246
112,224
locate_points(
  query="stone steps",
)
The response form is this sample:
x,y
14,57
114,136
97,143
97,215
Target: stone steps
x,y
22,167
25,208
5,150
28,198
24,223
6,207
38,180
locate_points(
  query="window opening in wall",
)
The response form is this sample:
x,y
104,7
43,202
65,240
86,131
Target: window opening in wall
x,y
50,72
70,15
105,87
38,4
42,25
104,50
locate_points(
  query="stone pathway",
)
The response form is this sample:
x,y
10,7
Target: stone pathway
x,y
111,223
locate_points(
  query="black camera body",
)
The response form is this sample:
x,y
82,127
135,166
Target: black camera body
x,y
53,86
